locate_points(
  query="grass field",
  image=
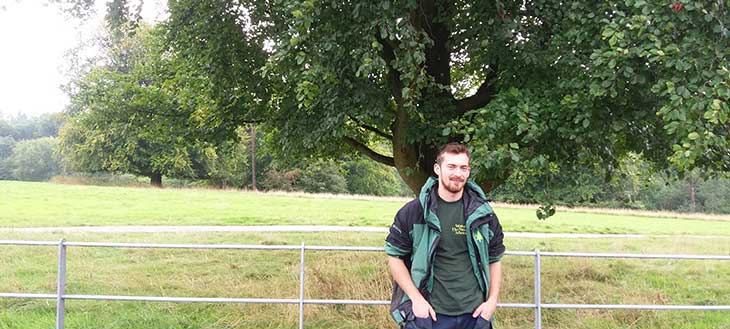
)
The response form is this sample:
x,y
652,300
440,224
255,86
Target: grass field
x,y
337,275
273,274
25,204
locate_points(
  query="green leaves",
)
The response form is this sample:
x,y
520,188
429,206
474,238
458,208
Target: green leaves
x,y
537,82
545,211
134,120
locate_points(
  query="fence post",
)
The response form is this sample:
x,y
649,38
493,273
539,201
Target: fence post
x,y
538,295
61,288
301,287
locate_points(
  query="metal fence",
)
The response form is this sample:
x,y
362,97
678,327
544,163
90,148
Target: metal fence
x,y
60,296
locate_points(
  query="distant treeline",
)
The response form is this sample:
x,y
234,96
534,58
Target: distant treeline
x,y
27,147
634,184
22,127
29,152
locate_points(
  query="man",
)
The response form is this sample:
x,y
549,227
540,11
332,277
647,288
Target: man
x,y
444,251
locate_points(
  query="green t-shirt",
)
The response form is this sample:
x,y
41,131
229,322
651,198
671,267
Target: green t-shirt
x,y
455,288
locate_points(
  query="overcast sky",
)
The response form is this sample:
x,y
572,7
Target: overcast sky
x,y
33,39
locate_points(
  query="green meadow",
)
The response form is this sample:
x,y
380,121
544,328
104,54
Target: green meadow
x,y
329,274
25,204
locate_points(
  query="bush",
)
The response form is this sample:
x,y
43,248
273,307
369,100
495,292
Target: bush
x,y
561,186
6,151
714,194
231,167
323,176
276,180
368,177
35,159
669,196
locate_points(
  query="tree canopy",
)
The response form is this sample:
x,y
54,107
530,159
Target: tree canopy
x,y
127,117
531,83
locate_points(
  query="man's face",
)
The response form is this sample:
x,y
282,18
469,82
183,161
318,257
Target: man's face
x,y
453,171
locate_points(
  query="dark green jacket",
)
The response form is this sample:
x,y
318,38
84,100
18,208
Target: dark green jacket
x,y
416,232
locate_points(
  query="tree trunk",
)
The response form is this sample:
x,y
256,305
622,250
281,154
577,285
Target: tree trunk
x,y
693,196
253,157
405,156
414,162
156,179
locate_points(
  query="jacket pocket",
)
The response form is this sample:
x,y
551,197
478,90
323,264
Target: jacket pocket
x,y
407,320
419,323
403,313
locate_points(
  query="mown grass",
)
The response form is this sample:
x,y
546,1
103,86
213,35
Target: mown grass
x,y
347,275
24,204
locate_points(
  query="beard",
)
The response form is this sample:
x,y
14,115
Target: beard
x,y
453,184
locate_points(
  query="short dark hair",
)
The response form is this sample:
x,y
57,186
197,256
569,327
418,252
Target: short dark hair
x,y
453,148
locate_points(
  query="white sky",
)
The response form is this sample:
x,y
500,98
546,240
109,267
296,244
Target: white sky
x,y
33,39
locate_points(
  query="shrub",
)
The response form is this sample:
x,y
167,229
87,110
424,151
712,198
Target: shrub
x,y
323,176
280,180
371,178
6,150
714,194
35,159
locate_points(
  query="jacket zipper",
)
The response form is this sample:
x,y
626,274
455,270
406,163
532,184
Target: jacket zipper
x,y
479,259
480,269
432,254
426,277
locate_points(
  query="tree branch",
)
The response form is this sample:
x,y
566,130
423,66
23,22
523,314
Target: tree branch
x,y
396,86
483,96
371,128
360,147
438,56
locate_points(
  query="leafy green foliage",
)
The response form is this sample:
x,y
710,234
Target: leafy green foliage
x,y
323,176
277,180
22,127
371,178
713,195
7,144
534,87
536,82
35,159
692,193
231,167
633,184
130,120
5,128
545,211
220,49
611,95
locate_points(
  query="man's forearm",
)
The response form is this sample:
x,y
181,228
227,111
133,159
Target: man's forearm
x,y
402,277
495,280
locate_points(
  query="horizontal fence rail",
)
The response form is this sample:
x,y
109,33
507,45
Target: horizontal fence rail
x,y
538,306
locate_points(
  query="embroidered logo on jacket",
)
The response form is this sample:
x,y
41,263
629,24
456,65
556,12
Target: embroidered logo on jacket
x,y
478,236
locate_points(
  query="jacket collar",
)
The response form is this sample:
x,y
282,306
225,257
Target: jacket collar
x,y
473,198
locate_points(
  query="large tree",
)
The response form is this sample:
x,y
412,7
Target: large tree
x,y
532,82
126,116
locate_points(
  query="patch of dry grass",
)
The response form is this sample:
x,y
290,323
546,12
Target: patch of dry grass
x,y
345,275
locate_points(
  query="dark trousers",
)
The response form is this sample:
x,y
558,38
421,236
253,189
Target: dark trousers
x,y
464,321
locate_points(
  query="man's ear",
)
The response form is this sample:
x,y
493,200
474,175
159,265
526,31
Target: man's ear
x,y
436,168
